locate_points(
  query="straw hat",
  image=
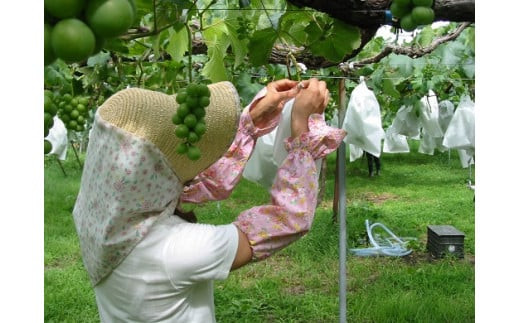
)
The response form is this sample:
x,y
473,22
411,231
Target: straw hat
x,y
148,114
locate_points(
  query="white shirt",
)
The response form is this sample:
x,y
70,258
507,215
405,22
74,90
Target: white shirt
x,y
168,277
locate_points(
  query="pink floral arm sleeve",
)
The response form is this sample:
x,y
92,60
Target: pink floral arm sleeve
x,y
217,181
270,228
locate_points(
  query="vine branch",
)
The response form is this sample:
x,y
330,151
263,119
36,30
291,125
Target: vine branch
x,y
412,52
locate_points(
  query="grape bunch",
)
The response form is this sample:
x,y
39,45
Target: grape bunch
x,y
412,13
244,26
189,118
49,111
73,111
74,30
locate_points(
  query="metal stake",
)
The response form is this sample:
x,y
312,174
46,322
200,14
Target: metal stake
x,y
342,208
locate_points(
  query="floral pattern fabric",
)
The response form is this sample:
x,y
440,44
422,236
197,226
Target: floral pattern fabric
x,y
272,227
126,186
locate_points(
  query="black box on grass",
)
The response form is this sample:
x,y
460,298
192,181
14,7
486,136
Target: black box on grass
x,y
445,240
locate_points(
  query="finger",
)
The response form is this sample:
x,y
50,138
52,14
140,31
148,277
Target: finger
x,y
303,84
326,100
313,83
283,85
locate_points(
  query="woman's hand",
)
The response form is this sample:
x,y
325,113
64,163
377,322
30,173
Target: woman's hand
x,y
270,106
312,98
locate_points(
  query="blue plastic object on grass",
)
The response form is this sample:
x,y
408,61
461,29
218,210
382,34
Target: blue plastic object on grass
x,y
389,246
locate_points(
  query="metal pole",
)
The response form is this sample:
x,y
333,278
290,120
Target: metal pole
x,y
342,207
342,236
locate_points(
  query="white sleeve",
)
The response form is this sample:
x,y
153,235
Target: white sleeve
x,y
200,252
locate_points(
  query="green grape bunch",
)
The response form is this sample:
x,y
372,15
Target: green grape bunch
x,y
74,111
244,26
189,118
50,109
412,13
74,30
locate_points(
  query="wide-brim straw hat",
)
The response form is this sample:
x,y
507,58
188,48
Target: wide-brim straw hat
x,y
148,114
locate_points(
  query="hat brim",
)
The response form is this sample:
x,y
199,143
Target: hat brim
x,y
148,114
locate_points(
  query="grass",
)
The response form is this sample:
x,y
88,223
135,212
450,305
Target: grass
x,y
300,283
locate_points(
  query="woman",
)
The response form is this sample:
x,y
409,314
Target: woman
x,y
146,262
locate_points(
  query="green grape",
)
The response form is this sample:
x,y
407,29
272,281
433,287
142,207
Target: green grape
x,y
182,148
182,131
193,137
199,113
47,103
45,131
200,128
47,118
47,146
74,102
74,114
192,90
73,124
176,120
193,153
81,108
190,120
183,110
181,97
65,118
203,101
203,90
68,108
192,102
67,97
81,119
83,100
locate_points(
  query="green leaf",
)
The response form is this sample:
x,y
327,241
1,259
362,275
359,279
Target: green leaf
x,y
217,41
343,40
260,46
246,87
293,23
452,53
215,69
401,63
469,67
426,36
239,47
314,32
171,11
116,45
389,89
100,58
178,44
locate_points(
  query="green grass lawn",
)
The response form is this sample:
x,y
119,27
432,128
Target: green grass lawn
x,y
300,283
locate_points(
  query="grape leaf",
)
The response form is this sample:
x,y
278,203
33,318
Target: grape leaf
x,y
260,45
342,41
389,89
217,41
452,53
401,63
239,47
178,44
426,36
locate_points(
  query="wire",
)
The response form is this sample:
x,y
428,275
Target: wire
x,y
345,77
